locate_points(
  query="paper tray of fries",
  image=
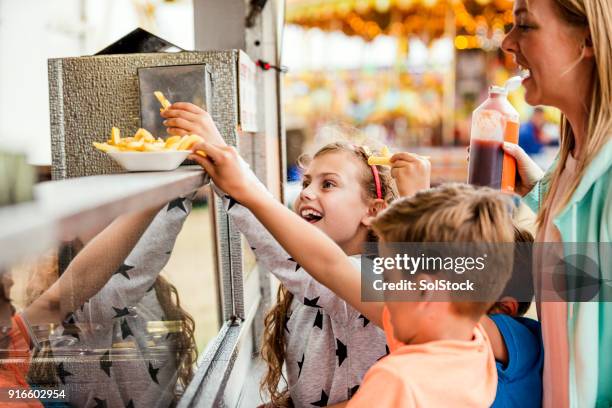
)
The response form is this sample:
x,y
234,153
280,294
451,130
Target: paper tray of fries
x,y
143,152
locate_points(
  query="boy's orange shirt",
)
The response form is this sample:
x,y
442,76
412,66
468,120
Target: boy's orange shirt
x,y
442,373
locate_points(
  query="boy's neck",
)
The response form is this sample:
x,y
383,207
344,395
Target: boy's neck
x,y
453,327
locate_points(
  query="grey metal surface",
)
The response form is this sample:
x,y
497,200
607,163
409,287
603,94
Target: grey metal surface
x,y
89,95
69,208
185,83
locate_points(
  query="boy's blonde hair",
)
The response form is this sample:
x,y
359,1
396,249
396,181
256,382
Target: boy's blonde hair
x,y
455,213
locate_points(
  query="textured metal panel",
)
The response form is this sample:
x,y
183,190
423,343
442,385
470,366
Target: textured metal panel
x,y
89,95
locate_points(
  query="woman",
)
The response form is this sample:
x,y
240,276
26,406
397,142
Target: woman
x,y
567,47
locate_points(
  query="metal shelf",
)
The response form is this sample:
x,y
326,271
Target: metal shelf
x,y
67,208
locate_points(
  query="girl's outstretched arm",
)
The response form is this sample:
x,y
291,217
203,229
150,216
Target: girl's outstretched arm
x,y
307,245
91,268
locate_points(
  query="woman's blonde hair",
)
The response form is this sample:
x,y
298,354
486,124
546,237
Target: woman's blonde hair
x,y
596,15
273,349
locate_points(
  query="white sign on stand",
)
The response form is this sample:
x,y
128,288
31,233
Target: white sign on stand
x,y
247,72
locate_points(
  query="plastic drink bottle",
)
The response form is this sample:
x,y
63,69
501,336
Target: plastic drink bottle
x,y
493,122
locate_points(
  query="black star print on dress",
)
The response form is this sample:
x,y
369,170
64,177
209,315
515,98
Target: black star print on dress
x,y
177,203
322,402
318,320
386,352
121,312
312,302
365,320
341,352
130,404
100,403
297,265
106,363
300,364
153,373
232,202
353,391
70,328
125,330
306,377
123,270
287,321
62,373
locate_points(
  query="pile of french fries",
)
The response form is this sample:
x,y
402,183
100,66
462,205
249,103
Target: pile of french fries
x,y
143,141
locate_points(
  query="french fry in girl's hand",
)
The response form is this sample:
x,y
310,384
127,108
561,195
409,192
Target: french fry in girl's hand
x,y
162,100
383,160
188,141
201,153
379,161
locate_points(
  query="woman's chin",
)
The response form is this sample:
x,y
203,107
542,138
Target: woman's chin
x,y
531,97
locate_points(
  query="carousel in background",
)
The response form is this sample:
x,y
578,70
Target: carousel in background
x,y
407,73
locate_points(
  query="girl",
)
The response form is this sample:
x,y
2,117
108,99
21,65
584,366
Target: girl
x,y
326,345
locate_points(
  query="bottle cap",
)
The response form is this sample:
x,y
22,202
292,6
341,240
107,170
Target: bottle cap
x,y
498,90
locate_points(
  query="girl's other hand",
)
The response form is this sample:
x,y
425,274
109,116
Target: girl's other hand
x,y
529,173
184,118
411,172
223,165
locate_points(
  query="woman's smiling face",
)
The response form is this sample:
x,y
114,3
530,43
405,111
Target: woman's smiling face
x,y
549,47
332,197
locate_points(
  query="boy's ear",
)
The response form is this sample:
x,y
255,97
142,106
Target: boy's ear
x,y
376,206
506,305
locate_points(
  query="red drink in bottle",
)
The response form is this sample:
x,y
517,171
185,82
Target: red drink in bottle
x,y
493,122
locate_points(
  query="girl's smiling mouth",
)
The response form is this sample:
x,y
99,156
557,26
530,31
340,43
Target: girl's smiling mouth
x,y
310,214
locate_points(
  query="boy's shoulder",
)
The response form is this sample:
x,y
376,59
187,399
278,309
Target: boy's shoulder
x,y
510,325
523,339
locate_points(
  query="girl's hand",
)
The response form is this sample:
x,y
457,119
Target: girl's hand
x,y
183,118
529,173
223,165
411,172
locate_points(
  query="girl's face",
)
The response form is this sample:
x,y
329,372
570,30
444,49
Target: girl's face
x,y
542,42
332,199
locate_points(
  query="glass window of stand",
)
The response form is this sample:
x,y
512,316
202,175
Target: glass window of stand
x,y
113,318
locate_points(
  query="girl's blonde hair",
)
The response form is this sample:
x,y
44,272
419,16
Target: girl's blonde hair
x,y
596,15
273,349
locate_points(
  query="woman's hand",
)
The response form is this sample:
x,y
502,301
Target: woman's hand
x,y
529,173
183,118
223,165
411,172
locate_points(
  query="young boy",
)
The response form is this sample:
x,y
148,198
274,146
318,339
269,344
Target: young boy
x,y
440,354
517,340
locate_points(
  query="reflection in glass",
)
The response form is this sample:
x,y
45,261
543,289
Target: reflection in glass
x,y
97,319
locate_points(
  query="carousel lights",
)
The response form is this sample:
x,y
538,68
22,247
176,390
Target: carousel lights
x,y
405,17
